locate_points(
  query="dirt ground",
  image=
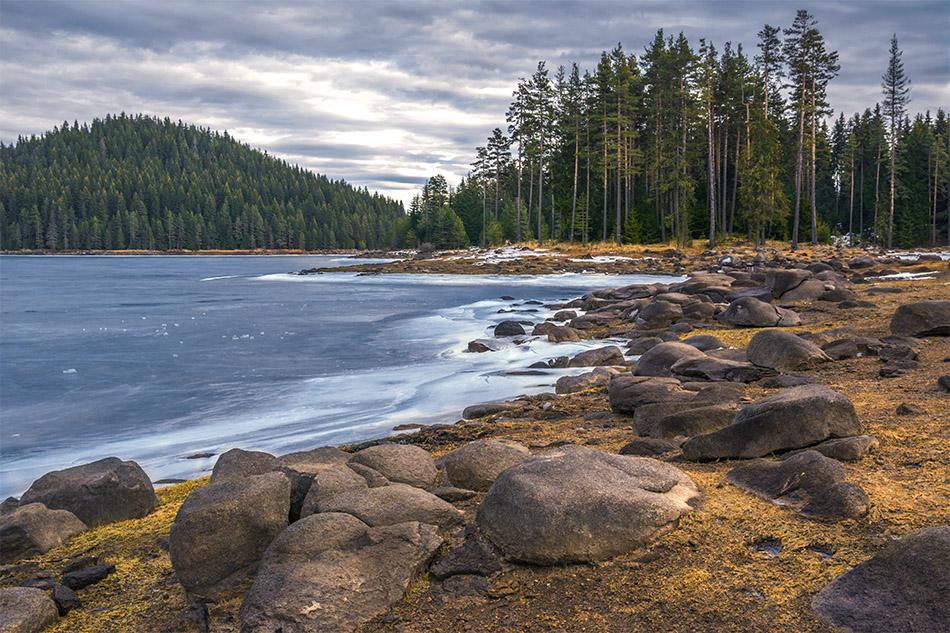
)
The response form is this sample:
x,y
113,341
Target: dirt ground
x,y
736,563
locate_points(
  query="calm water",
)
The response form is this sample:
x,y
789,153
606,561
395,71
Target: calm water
x,y
158,358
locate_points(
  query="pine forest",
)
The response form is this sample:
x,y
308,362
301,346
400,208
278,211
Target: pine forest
x,y
697,142
136,182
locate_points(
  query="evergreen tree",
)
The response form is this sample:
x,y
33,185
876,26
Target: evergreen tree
x,y
896,87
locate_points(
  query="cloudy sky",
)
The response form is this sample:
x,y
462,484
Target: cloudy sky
x,y
386,94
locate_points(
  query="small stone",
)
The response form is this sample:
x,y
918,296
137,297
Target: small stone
x,y
909,409
66,599
89,576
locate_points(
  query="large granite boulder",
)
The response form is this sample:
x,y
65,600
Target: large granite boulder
x,y
610,355
627,392
784,351
704,342
658,360
395,503
783,280
34,529
25,610
904,588
794,418
808,482
657,315
711,368
237,463
476,465
222,530
694,421
331,482
101,492
332,572
750,312
576,504
400,463
808,290
923,318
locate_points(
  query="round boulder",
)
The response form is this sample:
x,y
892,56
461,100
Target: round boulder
x,y
576,504
794,418
476,465
222,530
395,503
237,463
509,328
658,360
750,312
35,529
903,588
101,492
784,351
400,463
25,610
923,318
610,355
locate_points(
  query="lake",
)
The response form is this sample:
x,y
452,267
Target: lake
x,y
157,359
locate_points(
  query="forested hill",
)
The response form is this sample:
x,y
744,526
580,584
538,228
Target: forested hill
x,y
137,182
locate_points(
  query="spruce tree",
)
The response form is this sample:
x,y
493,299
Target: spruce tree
x,y
896,87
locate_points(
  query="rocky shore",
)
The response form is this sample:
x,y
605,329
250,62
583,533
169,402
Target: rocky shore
x,y
767,450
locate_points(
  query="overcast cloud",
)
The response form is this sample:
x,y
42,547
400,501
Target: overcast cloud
x,y
387,94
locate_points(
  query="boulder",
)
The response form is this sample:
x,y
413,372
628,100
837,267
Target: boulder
x,y
647,416
562,334
476,465
905,587
481,345
628,392
639,346
750,312
34,529
101,492
564,315
392,504
794,418
895,368
808,290
222,530
783,351
509,328
332,572
488,408
808,482
610,355
847,449
600,377
372,478
698,311
709,368
82,578
782,281
25,610
923,318
400,463
576,504
542,329
237,463
861,261
692,422
65,598
658,360
331,482
648,447
704,342
785,381
657,315
8,505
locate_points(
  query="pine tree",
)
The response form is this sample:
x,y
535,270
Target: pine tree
x,y
896,87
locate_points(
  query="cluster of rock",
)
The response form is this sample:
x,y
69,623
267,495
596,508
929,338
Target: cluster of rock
x,y
327,539
58,506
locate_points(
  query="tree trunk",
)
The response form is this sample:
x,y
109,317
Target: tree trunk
x,y
798,171
711,169
851,211
814,141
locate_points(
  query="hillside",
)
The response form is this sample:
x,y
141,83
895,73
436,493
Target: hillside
x,y
137,182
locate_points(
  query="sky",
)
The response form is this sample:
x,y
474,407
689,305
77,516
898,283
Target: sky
x,y
385,94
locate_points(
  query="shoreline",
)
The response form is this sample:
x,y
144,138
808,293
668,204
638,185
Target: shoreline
x,y
723,578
